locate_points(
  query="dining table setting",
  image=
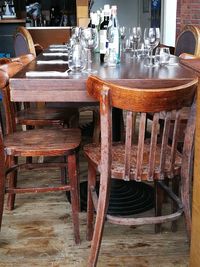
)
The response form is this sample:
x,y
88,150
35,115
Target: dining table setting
x,y
49,78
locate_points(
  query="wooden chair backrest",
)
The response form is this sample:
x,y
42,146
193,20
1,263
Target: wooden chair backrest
x,y
188,41
23,42
139,100
6,72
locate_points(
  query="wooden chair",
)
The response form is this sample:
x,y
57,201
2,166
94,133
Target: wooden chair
x,y
188,41
144,160
34,116
51,142
23,43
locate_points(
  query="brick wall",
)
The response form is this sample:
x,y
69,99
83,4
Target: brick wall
x,y
188,12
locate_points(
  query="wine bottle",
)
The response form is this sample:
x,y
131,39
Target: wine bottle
x,y
103,32
113,35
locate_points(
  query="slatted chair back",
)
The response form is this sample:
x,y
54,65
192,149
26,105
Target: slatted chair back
x,y
152,159
169,101
23,42
188,41
7,71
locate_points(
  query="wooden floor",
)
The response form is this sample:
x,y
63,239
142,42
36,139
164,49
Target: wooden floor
x,y
39,233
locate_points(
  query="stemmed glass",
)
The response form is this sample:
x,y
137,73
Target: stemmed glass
x,y
151,40
122,31
89,38
135,36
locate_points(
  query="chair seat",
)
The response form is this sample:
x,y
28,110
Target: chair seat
x,y
93,153
45,116
42,142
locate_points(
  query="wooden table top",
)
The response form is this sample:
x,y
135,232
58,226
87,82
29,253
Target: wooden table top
x,y
130,72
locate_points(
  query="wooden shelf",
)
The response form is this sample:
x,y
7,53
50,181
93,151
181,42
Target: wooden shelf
x,y
12,21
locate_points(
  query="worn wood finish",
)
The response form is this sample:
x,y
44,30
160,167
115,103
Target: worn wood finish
x,y
43,236
34,116
113,161
130,72
39,233
37,142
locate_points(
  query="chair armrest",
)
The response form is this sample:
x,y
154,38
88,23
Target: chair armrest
x,y
188,56
38,49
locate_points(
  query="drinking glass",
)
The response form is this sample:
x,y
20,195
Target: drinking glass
x,y
162,56
76,58
151,40
135,36
89,39
122,31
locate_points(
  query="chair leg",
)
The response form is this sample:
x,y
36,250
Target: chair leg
x,y
185,197
12,183
96,132
90,206
175,189
73,181
2,183
104,193
63,171
159,197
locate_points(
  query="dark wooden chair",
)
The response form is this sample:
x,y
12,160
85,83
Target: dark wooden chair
x,y
51,142
23,43
145,159
188,41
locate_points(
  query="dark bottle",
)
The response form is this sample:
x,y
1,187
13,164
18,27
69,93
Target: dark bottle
x,y
103,33
92,20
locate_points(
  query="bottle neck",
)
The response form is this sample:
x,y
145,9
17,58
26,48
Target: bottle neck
x,y
106,18
114,21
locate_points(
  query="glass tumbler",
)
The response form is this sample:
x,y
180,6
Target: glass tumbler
x,y
162,56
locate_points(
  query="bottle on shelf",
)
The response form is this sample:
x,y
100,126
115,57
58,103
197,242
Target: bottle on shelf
x,y
113,37
103,33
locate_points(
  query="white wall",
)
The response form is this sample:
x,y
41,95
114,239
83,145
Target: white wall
x,y
168,22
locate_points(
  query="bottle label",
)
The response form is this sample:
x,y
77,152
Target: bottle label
x,y
103,41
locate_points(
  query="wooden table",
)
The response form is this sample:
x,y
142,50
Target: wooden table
x,y
129,72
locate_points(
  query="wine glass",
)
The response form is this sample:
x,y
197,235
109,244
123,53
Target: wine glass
x,y
135,36
89,39
122,31
151,40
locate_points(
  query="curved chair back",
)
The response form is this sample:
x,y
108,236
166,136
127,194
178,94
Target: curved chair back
x,y
7,71
140,158
188,41
23,42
